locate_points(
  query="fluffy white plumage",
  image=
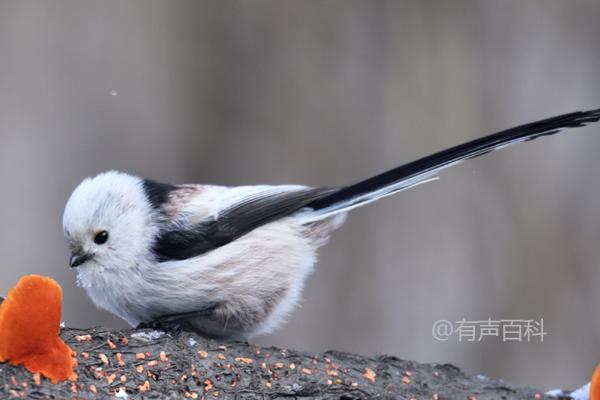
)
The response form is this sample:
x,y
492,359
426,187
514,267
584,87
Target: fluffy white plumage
x,y
256,279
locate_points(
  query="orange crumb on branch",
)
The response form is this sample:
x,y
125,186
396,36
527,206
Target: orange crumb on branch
x,y
370,374
163,356
83,338
111,378
145,387
103,358
30,326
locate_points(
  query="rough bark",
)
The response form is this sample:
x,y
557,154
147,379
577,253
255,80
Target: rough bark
x,y
150,364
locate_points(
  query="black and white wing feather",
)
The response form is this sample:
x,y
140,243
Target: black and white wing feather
x,y
251,208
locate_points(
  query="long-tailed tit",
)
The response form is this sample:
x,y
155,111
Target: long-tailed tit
x,y
229,261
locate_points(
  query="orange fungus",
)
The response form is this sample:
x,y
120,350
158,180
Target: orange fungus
x,y
30,327
595,385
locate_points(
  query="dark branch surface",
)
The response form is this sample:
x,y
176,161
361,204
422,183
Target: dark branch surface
x,y
150,364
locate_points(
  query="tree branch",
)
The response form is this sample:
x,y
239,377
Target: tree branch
x,y
152,364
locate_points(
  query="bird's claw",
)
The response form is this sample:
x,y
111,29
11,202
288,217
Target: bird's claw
x,y
171,327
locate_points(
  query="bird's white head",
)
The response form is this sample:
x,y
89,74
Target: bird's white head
x,y
108,222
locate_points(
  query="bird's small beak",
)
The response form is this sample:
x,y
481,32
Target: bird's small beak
x,y
78,258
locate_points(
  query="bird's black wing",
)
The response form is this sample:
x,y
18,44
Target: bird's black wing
x,y
182,242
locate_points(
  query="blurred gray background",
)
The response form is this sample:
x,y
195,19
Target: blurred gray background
x,y
326,93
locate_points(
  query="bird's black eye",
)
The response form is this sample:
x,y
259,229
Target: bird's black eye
x,y
101,237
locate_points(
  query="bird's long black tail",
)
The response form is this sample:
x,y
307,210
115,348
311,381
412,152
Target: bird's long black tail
x,y
421,170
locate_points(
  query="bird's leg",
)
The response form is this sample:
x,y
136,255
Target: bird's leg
x,y
173,328
176,323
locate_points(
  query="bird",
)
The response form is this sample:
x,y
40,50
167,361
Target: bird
x,y
229,262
